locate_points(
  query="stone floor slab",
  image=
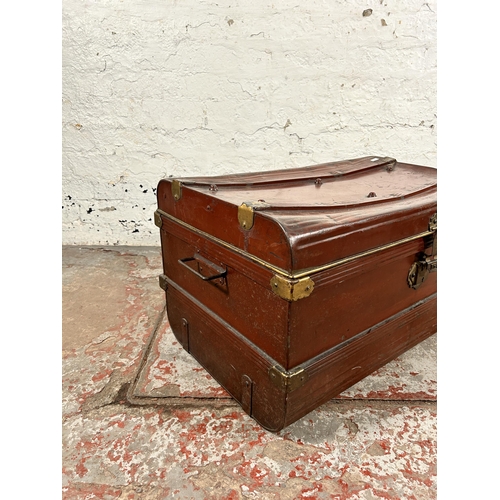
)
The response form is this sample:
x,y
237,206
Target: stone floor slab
x,y
338,451
377,440
111,306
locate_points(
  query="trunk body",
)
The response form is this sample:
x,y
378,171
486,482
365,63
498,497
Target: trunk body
x,y
290,286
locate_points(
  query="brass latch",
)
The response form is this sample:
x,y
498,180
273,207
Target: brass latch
x,y
287,380
426,263
433,222
291,289
420,270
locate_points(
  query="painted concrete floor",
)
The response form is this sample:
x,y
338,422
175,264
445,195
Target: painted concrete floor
x,y
185,438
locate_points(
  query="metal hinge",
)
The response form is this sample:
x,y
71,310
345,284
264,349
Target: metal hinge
x,y
176,189
245,216
246,213
291,289
287,380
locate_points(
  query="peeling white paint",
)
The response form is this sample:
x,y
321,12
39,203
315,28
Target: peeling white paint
x,y
152,89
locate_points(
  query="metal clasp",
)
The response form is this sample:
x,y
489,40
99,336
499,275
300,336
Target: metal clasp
x,y
433,222
420,270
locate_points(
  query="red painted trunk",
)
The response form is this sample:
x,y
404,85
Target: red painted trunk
x,y
290,286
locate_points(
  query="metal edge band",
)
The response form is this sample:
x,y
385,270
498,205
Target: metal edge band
x,y
302,273
345,260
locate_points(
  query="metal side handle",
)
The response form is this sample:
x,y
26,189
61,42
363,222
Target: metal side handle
x,y
203,268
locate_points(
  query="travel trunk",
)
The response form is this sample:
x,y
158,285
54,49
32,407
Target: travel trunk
x,y
289,286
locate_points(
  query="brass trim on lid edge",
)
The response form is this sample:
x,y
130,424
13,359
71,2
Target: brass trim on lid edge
x,y
301,273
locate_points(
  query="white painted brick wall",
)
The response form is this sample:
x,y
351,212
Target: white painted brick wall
x,y
157,88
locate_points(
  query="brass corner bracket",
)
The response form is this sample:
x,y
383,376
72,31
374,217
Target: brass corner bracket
x,y
162,281
287,380
158,219
291,289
